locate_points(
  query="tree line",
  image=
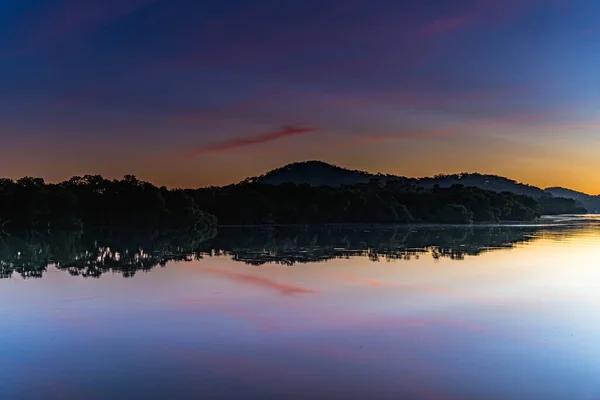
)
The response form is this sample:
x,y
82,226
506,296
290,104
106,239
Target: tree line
x,y
373,202
93,201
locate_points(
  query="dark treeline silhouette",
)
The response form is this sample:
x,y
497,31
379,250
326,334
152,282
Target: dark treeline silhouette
x,y
124,251
93,201
560,205
373,202
590,203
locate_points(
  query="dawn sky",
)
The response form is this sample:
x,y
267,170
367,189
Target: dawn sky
x,y
191,93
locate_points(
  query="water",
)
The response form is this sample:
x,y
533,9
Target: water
x,y
509,312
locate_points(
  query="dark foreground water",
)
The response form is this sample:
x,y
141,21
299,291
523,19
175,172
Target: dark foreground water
x,y
396,313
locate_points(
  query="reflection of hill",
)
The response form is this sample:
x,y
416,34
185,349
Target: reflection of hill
x,y
96,252
126,252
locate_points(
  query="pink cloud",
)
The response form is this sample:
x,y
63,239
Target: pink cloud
x,y
396,138
286,131
259,281
543,121
80,15
74,16
297,36
220,112
445,25
426,95
496,12
592,30
285,37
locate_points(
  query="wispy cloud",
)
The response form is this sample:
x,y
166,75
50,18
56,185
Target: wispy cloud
x,y
285,131
592,30
541,121
446,24
396,138
80,15
430,94
300,36
74,16
490,12
251,104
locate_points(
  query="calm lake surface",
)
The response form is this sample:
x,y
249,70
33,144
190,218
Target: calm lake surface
x,y
509,312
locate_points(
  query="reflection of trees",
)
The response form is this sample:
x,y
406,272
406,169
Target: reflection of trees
x,y
289,245
94,253
97,252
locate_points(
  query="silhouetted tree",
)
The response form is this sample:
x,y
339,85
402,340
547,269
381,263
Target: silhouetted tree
x,y
94,201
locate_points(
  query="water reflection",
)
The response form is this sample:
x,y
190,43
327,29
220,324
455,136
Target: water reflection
x,y
91,254
518,322
288,246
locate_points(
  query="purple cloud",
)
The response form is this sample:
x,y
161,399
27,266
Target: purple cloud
x,y
266,137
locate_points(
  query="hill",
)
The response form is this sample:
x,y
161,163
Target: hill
x,y
591,203
489,182
318,173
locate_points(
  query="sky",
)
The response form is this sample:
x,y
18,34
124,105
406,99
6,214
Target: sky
x,y
189,93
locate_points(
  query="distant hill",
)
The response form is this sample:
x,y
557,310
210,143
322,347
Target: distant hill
x,y
318,173
591,203
489,182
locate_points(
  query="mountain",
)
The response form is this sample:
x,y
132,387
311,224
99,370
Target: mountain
x,y
591,203
489,182
318,173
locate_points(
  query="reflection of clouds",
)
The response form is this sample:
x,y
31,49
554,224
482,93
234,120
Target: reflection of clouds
x,y
76,319
305,369
252,315
54,389
407,327
298,319
237,368
245,367
417,288
258,281
453,294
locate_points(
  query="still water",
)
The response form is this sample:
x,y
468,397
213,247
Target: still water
x,y
424,313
